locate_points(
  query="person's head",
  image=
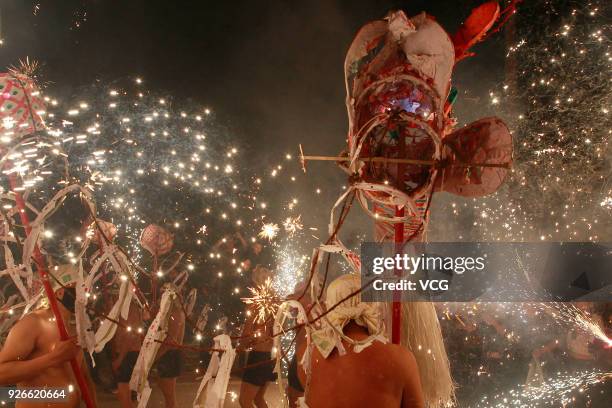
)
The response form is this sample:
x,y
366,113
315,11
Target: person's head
x,y
343,303
246,265
257,248
64,285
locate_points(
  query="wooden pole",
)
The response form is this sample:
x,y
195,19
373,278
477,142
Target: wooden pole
x,y
370,160
391,160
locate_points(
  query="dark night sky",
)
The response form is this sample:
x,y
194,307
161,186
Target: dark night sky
x,y
271,70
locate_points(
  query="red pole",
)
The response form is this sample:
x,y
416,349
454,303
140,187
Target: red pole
x,y
396,318
154,280
44,277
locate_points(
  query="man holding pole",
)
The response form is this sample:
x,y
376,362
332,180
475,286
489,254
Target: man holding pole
x,y
34,356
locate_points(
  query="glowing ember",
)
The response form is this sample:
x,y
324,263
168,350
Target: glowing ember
x,y
293,225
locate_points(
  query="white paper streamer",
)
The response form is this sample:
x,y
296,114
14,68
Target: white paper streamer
x,y
15,272
48,210
108,328
284,313
202,319
84,328
157,332
218,370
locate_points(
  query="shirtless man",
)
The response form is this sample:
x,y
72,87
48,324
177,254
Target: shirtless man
x,y
126,346
295,388
259,365
170,360
381,375
33,355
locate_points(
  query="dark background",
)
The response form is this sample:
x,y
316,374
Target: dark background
x,y
271,70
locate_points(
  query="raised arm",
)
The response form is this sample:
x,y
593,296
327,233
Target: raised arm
x,y
15,366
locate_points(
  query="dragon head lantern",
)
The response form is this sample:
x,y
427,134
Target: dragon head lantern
x,y
401,144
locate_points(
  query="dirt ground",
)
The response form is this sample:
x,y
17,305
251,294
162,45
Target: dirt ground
x,y
186,389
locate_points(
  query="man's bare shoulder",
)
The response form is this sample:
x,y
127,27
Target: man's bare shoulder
x,y
33,319
400,354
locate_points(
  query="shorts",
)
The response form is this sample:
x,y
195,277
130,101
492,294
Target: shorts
x,y
292,375
170,364
124,374
259,368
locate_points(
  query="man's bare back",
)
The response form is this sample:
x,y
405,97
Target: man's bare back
x,y
176,328
381,375
35,340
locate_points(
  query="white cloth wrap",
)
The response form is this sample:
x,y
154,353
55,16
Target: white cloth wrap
x,y
368,315
191,301
84,327
202,319
157,332
108,328
15,272
48,210
121,308
216,378
284,313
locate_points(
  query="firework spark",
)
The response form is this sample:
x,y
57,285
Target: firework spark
x,y
556,390
568,313
27,67
293,225
269,231
264,300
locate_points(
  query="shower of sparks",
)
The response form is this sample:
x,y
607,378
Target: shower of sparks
x,y
293,225
27,67
291,268
132,148
568,314
269,231
556,391
556,98
264,300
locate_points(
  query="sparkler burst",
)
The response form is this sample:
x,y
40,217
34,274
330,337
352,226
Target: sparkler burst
x,y
27,67
293,225
556,391
269,231
291,267
265,301
572,316
556,98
